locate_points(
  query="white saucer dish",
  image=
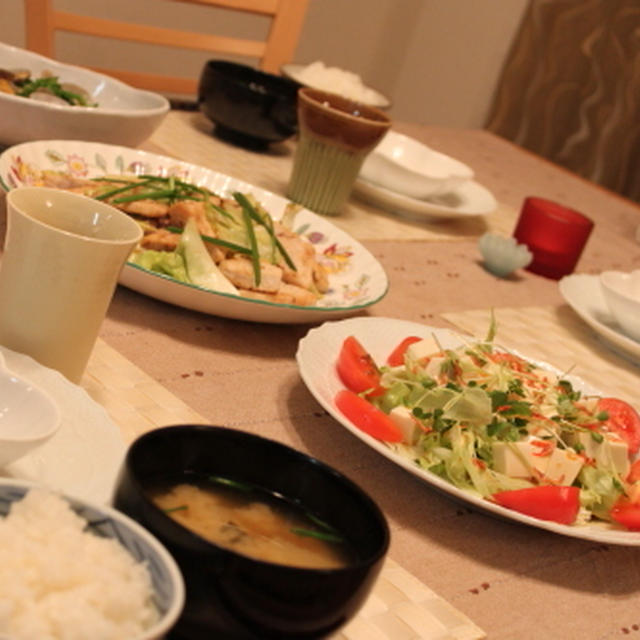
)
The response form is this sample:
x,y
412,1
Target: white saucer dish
x,y
124,115
83,457
408,167
468,199
336,80
621,292
356,279
316,356
28,416
584,294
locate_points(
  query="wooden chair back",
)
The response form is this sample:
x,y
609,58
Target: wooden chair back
x,y
43,21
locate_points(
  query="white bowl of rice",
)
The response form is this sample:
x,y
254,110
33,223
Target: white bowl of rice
x,y
336,80
70,569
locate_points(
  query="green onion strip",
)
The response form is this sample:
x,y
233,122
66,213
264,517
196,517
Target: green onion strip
x,y
152,195
173,188
246,205
238,248
320,535
114,192
251,234
182,507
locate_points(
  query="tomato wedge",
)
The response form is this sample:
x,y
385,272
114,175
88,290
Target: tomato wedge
x,y
626,513
623,420
547,502
397,355
367,417
634,472
357,369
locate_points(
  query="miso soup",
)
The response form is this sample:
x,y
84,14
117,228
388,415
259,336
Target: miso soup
x,y
253,522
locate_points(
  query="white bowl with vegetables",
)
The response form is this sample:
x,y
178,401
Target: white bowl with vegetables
x,y
43,99
258,235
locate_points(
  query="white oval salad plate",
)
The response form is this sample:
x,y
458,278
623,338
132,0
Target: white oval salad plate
x,y
584,295
467,199
317,356
83,457
356,279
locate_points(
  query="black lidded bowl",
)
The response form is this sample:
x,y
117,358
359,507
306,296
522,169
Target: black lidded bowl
x,y
231,594
250,108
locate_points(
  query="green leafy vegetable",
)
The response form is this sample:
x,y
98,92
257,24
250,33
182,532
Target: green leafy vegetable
x,y
201,269
52,85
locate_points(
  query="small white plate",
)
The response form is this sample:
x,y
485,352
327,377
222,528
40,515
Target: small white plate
x,y
357,280
468,199
295,72
83,457
584,295
316,356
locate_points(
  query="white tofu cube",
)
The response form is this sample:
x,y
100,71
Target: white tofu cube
x,y
422,349
610,453
563,466
434,366
514,459
524,460
406,422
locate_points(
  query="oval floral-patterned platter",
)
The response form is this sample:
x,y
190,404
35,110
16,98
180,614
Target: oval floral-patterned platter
x,y
356,278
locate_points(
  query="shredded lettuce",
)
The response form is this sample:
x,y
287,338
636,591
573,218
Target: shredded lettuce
x,y
200,267
599,490
165,262
467,399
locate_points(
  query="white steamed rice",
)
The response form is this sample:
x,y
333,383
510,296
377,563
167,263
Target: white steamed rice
x,y
340,81
59,582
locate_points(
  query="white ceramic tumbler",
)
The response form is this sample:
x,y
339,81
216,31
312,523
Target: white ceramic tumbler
x,y
62,256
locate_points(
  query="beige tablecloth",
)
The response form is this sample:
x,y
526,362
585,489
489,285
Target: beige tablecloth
x,y
513,581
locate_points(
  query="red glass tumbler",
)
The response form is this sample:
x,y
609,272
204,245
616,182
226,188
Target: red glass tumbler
x,y
555,235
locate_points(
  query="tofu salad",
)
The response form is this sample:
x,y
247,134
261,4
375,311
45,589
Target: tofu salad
x,y
499,426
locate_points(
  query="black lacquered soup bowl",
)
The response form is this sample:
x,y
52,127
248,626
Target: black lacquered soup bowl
x,y
249,107
231,594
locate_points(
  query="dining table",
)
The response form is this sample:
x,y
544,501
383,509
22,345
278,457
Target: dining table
x,y
453,571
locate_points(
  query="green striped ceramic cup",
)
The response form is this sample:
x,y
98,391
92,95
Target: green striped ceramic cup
x,y
336,134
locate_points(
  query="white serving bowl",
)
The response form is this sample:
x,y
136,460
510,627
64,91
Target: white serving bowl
x,y
621,292
166,578
124,115
28,416
405,165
